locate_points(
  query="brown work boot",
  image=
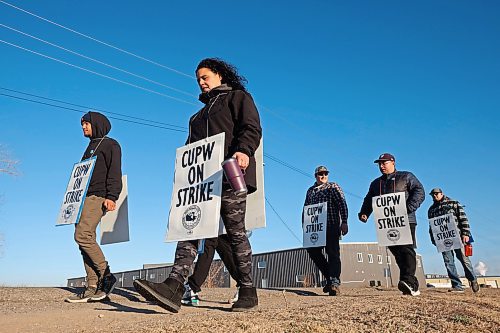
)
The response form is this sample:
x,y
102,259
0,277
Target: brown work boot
x,y
247,300
167,294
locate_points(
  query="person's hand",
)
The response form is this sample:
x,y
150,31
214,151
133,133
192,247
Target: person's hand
x,y
344,229
465,239
363,218
243,160
110,205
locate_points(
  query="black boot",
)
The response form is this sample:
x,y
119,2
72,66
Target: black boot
x,y
247,299
167,294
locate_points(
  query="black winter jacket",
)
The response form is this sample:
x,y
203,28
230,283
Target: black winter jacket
x,y
232,112
106,181
398,181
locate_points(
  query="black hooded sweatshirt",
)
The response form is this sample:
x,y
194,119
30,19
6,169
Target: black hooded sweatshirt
x,y
106,181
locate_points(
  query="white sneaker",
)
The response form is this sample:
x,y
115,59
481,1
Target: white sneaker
x,y
235,297
407,290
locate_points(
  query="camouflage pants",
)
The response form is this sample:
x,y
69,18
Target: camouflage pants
x,y
233,214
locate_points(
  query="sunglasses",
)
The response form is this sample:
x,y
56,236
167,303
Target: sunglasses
x,y
435,193
322,174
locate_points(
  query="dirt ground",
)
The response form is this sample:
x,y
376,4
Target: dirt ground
x,y
294,310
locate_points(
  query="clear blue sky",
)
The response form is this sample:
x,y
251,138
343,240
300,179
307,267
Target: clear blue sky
x,y
337,84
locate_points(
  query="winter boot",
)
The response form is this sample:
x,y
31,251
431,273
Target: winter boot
x,y
167,294
247,299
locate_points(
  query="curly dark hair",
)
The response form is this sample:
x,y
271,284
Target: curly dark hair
x,y
228,72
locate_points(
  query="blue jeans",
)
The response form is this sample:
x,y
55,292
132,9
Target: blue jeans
x,y
449,262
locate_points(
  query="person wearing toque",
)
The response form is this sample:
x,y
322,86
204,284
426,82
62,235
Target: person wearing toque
x,y
443,205
393,181
324,191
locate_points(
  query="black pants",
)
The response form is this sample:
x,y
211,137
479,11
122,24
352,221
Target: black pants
x,y
202,267
406,258
330,268
233,215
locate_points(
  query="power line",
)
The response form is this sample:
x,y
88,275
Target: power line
x,y
284,223
80,111
98,61
98,74
96,109
98,41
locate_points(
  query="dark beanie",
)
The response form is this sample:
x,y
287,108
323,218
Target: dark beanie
x,y
86,117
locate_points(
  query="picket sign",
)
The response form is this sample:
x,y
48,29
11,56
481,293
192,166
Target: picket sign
x,y
76,191
196,197
445,232
391,219
314,224
114,225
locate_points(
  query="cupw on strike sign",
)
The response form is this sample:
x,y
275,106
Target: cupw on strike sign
x,y
196,198
391,219
76,190
314,220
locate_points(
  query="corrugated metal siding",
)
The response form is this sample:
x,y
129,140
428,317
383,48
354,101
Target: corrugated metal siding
x,y
283,267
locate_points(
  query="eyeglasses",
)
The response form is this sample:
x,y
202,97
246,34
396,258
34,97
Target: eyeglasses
x,y
435,194
322,174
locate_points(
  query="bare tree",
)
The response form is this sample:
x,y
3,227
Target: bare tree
x,y
215,276
7,164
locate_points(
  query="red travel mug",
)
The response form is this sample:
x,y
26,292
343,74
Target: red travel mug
x,y
234,175
468,250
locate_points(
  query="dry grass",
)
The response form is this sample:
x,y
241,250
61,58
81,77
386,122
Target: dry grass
x,y
299,310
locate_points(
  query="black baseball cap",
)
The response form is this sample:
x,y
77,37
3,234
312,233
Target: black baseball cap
x,y
385,157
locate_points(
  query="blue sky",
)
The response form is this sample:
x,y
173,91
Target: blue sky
x,y
337,83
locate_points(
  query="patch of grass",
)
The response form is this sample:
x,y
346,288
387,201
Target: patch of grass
x,y
462,319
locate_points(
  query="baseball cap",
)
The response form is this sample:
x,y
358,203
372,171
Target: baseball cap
x,y
319,169
384,157
436,190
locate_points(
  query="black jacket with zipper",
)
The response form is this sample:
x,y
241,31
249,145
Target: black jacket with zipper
x,y
398,181
234,113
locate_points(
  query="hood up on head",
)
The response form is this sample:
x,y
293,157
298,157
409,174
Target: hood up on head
x,y
100,124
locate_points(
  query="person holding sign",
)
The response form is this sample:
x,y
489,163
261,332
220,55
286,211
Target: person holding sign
x,y
228,109
103,191
393,181
438,213
336,225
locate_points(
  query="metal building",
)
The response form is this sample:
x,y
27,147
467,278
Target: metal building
x,y
363,264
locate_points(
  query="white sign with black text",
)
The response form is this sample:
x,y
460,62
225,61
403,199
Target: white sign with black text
x,y
314,220
391,219
445,232
76,190
196,198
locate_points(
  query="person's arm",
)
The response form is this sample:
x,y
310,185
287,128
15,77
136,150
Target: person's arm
x,y
307,202
341,206
463,222
114,177
430,215
416,193
247,125
366,208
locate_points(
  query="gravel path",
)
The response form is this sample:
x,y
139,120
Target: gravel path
x,y
305,310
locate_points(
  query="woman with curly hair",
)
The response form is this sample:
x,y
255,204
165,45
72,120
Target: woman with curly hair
x,y
228,109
